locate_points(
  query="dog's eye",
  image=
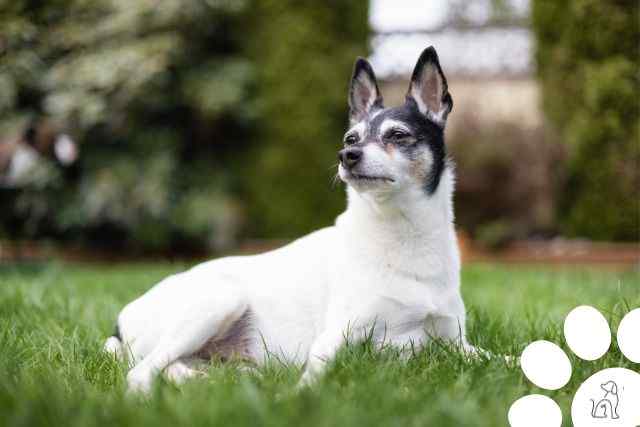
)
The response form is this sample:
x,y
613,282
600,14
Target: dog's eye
x,y
398,134
350,139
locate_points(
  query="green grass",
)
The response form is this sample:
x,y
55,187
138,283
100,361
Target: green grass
x,y
54,318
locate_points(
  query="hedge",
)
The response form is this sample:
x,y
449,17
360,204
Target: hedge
x,y
587,53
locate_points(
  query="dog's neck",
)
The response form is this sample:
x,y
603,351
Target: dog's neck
x,y
404,215
413,230
411,234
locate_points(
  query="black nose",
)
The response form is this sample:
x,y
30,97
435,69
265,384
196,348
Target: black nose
x,y
349,157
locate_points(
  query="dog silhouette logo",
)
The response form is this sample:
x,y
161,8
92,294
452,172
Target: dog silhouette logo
x,y
609,397
607,407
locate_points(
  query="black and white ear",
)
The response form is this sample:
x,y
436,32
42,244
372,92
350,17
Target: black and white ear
x,y
364,95
429,89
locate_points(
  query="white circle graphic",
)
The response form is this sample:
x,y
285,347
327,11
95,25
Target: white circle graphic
x,y
587,332
534,410
546,365
629,335
610,397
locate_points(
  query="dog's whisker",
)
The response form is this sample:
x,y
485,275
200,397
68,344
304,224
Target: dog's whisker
x,y
334,166
335,181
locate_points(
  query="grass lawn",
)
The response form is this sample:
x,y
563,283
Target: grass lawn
x,y
54,319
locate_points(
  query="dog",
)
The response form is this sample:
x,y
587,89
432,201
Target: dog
x,y
607,407
388,270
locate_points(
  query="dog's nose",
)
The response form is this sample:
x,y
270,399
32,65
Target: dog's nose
x,y
349,157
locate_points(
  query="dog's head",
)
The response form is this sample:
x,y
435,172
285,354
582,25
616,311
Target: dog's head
x,y
610,387
395,149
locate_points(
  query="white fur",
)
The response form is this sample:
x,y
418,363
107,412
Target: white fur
x,y
389,265
437,117
359,129
389,124
375,113
113,346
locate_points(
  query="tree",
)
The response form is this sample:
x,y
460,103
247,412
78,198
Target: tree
x,y
304,53
187,112
588,62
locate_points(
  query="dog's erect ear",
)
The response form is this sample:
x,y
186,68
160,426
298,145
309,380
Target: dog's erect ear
x,y
611,387
364,95
428,88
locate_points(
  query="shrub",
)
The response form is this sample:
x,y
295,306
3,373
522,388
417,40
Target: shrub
x,y
588,62
189,116
304,53
506,175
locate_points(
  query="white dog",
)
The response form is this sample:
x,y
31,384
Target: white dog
x,y
388,268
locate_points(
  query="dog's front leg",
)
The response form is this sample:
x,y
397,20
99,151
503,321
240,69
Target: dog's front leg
x,y
323,349
451,326
451,329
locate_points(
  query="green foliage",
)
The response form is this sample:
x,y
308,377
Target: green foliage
x,y
53,322
198,120
588,62
304,58
153,93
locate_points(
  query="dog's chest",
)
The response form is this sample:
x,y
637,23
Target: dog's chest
x,y
391,276
397,268
395,295
396,253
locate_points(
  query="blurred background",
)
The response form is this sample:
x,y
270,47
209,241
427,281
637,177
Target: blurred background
x,y
195,127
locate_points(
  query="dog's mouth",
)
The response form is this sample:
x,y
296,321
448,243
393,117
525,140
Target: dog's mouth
x,y
369,178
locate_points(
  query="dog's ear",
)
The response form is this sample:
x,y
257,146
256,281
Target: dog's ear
x,y
428,88
610,387
364,95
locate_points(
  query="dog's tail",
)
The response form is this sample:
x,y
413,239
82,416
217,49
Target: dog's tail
x,y
113,344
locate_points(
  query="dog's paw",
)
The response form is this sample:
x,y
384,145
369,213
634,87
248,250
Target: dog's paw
x,y
139,381
179,372
306,380
602,399
113,346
